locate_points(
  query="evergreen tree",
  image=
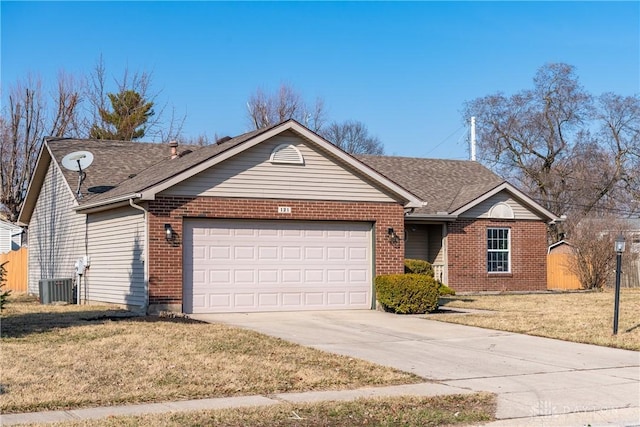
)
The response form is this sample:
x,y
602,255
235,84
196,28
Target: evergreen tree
x,y
126,122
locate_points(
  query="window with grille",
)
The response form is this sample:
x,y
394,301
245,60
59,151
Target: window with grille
x,y
498,250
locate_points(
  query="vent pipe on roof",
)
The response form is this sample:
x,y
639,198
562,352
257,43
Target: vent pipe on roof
x,y
174,149
472,139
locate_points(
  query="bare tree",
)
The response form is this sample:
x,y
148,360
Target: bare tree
x,y
593,258
286,103
353,137
574,153
24,122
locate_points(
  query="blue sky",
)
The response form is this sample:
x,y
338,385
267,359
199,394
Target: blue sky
x,y
405,69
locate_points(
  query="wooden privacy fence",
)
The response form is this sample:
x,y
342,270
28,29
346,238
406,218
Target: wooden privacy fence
x,y
558,274
560,278
16,270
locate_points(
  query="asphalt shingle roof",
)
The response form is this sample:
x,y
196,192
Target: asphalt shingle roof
x,y
445,185
121,168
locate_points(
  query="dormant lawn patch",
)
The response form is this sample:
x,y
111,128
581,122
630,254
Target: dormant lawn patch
x,y
71,356
398,411
585,317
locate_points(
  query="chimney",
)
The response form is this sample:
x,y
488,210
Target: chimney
x,y
174,149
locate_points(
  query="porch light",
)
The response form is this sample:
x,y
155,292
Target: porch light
x,y
393,236
169,233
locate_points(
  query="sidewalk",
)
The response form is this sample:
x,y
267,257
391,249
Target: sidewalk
x,y
593,419
422,389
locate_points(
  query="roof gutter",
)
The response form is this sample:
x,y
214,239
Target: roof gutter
x,y
430,217
105,203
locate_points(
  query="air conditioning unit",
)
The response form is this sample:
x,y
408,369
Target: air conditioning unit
x,y
53,290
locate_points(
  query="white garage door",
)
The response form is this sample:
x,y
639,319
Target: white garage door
x,y
243,266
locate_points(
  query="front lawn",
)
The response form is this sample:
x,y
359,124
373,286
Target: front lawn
x,y
56,357
585,317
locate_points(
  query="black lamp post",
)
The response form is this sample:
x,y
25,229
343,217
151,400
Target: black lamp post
x,y
619,246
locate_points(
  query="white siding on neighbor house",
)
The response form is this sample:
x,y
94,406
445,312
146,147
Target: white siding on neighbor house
x,y
481,210
10,237
251,175
5,240
16,241
116,246
56,232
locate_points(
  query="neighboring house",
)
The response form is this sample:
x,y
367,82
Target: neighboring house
x,y
10,237
275,219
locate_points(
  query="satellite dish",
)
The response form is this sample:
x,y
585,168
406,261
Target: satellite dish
x,y
77,161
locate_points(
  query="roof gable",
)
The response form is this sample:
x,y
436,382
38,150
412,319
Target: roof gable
x,y
310,175
522,198
450,187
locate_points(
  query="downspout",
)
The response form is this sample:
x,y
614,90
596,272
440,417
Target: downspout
x,y
146,253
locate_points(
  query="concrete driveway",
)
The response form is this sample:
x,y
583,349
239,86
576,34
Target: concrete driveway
x,y
533,377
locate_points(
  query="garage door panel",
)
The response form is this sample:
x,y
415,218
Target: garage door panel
x,y
268,252
220,301
218,253
358,297
357,254
336,298
268,300
290,253
276,265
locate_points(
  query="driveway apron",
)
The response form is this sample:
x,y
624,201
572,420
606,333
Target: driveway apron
x,y
532,376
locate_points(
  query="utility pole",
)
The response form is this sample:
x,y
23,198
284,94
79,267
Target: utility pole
x,y
472,139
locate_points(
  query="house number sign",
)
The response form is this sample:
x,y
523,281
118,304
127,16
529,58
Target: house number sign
x,y
284,209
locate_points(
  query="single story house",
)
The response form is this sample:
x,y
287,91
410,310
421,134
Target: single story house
x,y
274,219
10,237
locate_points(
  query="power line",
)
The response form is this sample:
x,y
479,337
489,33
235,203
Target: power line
x,y
445,140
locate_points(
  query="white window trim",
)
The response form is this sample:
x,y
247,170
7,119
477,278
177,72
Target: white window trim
x,y
508,271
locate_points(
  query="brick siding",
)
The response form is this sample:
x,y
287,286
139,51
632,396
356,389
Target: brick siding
x,y
165,259
467,256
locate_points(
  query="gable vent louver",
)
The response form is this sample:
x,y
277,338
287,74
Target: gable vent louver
x,y
286,153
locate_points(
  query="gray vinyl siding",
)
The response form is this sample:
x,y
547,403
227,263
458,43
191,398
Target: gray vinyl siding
x,y
251,175
56,232
116,242
424,242
481,210
417,244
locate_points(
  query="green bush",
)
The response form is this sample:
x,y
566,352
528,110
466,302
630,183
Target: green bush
x,y
407,293
418,266
445,290
3,294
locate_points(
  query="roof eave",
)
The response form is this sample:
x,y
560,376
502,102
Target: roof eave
x,y
37,179
106,204
431,217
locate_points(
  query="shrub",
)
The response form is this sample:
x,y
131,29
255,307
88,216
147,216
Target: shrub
x,y
3,294
407,293
418,266
444,290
